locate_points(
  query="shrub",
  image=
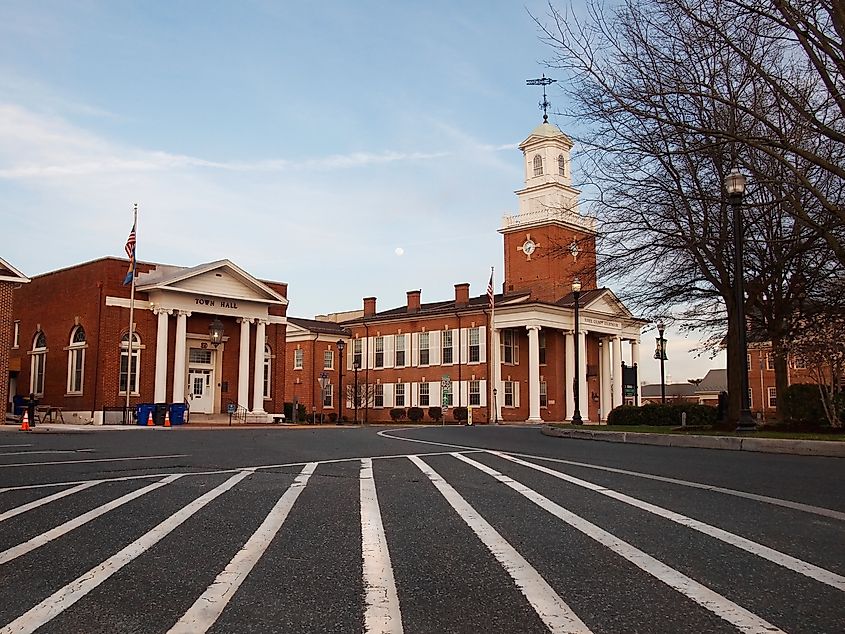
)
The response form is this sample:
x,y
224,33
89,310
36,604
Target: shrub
x,y
460,414
397,414
435,413
333,417
289,412
801,405
668,415
415,414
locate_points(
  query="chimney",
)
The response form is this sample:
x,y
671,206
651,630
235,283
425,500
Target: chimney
x,y
461,294
413,301
369,306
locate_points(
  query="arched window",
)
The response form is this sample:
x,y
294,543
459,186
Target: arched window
x,y
561,165
538,165
129,372
76,361
38,364
268,356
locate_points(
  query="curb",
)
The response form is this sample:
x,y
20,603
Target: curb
x,y
730,443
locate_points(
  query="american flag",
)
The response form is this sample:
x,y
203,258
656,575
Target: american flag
x,y
490,290
130,252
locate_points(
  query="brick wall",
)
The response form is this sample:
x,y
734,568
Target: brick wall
x,y
6,331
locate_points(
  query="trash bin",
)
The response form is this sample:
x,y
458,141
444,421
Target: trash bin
x,y
177,413
160,411
143,412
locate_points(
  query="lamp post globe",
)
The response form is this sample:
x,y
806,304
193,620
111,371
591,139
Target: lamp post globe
x,y
341,344
576,387
735,188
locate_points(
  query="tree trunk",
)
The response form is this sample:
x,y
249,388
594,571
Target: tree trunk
x,y
781,376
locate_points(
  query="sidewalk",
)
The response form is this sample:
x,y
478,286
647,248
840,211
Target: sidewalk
x,y
731,443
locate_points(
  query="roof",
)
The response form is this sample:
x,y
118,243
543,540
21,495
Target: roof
x,y
714,381
434,308
9,273
568,300
316,325
675,390
546,130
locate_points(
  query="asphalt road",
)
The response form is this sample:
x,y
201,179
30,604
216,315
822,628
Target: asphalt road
x,y
424,530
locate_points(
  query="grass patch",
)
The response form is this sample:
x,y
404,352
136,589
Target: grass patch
x,y
655,429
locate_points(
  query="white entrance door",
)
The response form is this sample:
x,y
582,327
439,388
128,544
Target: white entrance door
x,y
200,391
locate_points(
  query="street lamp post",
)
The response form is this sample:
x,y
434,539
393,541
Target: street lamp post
x,y
356,365
341,344
661,327
576,388
735,187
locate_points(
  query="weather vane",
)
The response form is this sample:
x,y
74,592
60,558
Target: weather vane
x,y
543,81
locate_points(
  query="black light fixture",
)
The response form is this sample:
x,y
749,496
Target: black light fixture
x,y
735,188
215,332
356,365
661,350
341,344
576,388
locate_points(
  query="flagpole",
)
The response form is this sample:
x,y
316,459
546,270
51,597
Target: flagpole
x,y
131,316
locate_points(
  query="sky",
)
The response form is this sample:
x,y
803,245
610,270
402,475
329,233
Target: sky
x,y
347,148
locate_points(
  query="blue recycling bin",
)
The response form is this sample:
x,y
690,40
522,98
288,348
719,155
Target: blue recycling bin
x,y
177,413
144,410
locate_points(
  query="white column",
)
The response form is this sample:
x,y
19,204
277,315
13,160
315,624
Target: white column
x,y
243,365
570,374
160,390
497,373
534,374
604,378
258,367
179,356
635,361
583,394
616,368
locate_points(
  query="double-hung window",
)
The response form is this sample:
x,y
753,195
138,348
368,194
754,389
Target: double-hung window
x,y
509,394
298,356
357,352
76,361
446,341
424,356
129,371
399,395
328,395
474,345
475,393
510,347
400,351
39,362
379,352
424,395
379,395
544,397
268,356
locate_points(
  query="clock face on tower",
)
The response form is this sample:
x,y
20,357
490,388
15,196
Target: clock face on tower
x,y
529,246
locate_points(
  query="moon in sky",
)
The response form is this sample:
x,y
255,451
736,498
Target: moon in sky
x,y
399,251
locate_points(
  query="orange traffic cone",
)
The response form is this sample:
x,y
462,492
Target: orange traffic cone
x,y
167,418
150,422
25,422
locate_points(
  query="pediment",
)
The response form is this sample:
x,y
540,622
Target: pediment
x,y
9,273
609,305
215,279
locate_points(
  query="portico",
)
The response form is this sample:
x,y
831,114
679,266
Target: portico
x,y
604,326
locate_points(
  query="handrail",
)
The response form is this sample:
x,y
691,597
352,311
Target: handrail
x,y
239,413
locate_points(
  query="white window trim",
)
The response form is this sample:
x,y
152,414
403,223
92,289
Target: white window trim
x,y
771,393
136,350
298,359
38,357
16,336
268,372
331,363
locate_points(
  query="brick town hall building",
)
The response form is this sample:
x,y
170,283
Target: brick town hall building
x,y
71,332
520,369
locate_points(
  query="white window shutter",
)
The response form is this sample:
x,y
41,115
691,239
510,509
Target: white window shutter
x,y
408,394
482,387
415,349
434,347
515,348
463,394
412,394
482,344
388,352
435,398
464,345
408,349
350,346
370,349
388,394
516,393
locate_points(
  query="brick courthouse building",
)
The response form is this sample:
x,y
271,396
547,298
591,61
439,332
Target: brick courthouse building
x,y
517,364
73,347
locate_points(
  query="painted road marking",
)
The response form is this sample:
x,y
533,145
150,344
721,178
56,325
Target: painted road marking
x,y
381,614
45,500
798,506
38,541
736,615
5,446
44,451
554,612
796,565
207,609
43,464
61,600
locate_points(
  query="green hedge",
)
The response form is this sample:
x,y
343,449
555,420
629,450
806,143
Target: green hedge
x,y
801,405
668,415
415,414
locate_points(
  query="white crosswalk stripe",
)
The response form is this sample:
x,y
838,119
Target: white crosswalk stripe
x,y
738,616
531,583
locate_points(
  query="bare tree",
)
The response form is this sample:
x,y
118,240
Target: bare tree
x,y
667,109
